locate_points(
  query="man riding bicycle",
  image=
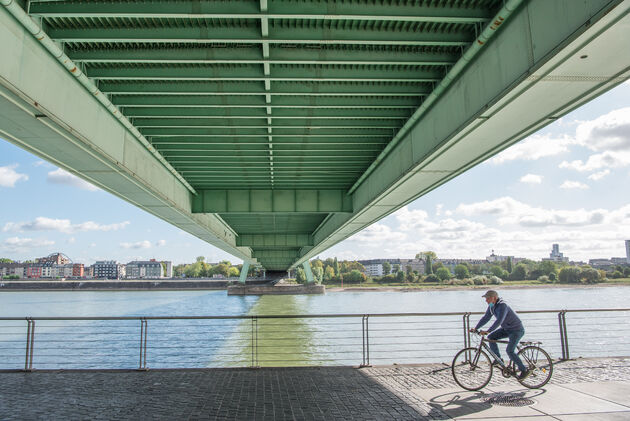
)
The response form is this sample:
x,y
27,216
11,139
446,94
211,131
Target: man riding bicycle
x,y
511,327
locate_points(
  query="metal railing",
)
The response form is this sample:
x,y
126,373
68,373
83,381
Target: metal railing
x,y
287,340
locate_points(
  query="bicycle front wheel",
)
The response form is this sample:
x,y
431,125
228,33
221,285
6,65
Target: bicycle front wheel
x,y
539,364
472,368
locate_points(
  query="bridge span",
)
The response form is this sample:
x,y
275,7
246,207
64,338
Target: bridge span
x,y
275,129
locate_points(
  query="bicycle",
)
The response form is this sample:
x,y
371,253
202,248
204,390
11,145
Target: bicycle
x,y
472,367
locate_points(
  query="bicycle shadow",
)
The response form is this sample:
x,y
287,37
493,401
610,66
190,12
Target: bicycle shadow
x,y
464,403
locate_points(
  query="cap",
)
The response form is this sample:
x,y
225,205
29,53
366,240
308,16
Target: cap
x,y
490,293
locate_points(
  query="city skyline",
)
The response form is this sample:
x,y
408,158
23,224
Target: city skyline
x,y
564,185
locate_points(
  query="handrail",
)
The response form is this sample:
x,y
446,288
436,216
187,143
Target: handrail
x,y
254,341
304,316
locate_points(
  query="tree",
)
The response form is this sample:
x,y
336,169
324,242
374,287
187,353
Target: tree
x,y
300,276
387,268
443,273
569,275
590,275
396,268
354,277
461,272
400,276
200,259
509,264
519,273
336,267
429,257
329,273
5,260
428,267
498,272
318,274
234,272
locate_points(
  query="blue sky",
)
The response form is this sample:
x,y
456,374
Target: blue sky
x,y
566,184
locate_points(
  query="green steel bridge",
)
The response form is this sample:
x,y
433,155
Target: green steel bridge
x,y
274,129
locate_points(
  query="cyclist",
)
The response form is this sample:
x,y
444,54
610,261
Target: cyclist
x,y
509,326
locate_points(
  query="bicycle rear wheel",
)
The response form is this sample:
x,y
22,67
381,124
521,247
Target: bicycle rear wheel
x,y
471,369
539,364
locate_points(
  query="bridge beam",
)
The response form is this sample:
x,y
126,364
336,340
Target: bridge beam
x,y
267,241
46,110
264,201
524,78
244,270
307,271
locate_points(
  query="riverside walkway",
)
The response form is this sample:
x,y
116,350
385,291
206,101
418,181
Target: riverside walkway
x,y
583,389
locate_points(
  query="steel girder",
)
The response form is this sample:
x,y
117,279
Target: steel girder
x,y
374,103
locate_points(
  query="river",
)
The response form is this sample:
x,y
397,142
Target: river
x,y
292,341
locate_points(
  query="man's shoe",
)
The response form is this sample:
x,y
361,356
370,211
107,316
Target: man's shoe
x,y
496,363
523,374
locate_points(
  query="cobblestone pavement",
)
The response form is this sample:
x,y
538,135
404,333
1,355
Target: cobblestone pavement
x,y
347,393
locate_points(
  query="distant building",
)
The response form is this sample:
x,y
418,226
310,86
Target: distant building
x,y
627,251
145,269
555,254
55,258
12,269
33,270
374,267
105,269
78,270
451,263
604,264
493,258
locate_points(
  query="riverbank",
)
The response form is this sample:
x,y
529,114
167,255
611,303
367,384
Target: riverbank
x,y
114,285
438,287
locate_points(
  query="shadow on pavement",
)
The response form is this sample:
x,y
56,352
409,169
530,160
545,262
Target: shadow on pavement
x,y
464,403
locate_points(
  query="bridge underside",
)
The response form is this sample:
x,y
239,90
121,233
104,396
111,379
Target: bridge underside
x,y
275,129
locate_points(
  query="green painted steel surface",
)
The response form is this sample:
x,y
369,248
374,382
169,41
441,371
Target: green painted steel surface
x,y
286,125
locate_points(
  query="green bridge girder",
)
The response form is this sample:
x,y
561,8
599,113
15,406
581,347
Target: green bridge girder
x,y
274,129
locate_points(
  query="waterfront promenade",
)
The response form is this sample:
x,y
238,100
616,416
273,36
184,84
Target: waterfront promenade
x,y
584,389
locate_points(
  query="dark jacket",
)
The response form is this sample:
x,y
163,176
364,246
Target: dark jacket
x,y
506,317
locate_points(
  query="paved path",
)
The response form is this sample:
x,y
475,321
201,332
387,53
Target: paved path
x,y
590,389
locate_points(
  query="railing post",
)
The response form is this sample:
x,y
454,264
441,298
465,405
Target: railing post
x,y
30,359
566,336
146,329
254,343
28,343
466,322
363,340
564,341
142,365
366,340
141,343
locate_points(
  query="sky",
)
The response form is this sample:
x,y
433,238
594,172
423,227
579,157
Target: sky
x,y
569,184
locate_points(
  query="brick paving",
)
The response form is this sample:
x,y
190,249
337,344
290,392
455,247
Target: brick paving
x,y
326,393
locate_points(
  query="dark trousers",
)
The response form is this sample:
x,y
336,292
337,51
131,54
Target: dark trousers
x,y
513,337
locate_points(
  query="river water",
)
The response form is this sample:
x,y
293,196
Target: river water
x,y
290,341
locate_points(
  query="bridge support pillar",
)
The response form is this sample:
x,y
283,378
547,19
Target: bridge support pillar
x,y
309,274
244,271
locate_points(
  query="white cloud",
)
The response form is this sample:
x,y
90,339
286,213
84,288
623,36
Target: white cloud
x,y
71,240
160,243
598,175
607,159
512,212
535,147
609,132
531,179
62,225
137,245
8,176
569,185
60,176
17,244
